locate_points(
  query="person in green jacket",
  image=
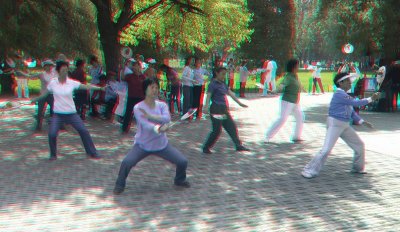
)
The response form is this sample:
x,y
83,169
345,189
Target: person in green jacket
x,y
291,89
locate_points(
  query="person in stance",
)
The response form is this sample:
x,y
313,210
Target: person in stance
x,y
152,117
341,112
219,111
291,89
65,110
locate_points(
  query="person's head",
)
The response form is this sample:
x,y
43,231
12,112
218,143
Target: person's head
x,y
79,63
93,60
47,65
151,87
188,61
62,68
343,81
197,63
220,73
292,66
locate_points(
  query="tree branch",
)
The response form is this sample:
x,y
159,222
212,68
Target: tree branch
x,y
130,16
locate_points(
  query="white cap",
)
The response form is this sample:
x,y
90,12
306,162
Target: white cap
x,y
47,62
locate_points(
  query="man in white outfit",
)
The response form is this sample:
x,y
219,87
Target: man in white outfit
x,y
341,112
270,76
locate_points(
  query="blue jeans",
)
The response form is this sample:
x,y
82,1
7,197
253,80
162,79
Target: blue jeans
x,y
136,154
76,122
187,92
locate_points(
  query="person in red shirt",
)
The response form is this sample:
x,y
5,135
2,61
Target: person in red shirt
x,y
134,81
81,97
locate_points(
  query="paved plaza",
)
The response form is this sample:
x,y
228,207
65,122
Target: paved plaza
x,y
260,190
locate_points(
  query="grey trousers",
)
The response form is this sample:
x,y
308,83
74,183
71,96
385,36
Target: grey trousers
x,y
136,154
336,129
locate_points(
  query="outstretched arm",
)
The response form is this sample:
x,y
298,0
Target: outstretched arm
x,y
232,95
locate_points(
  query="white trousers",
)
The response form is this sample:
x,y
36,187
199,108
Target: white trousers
x,y
268,80
336,129
287,108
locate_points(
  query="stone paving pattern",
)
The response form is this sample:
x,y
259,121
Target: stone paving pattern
x,y
261,190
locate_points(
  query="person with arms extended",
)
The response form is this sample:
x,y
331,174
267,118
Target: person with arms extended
x,y
219,111
65,110
291,89
152,117
341,112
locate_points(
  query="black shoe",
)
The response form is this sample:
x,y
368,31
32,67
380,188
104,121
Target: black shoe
x,y
53,158
298,140
184,184
242,148
207,151
118,190
95,156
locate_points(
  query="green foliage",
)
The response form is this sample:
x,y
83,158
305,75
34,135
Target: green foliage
x,y
325,26
171,27
43,28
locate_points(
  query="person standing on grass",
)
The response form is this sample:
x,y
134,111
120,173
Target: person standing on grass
x,y
65,110
317,79
219,111
152,117
341,112
231,73
291,89
244,75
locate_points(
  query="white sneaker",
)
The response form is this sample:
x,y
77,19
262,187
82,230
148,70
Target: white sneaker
x,y
307,175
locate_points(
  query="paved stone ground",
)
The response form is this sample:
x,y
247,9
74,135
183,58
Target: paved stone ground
x,y
261,190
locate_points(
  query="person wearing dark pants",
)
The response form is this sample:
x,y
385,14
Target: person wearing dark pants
x,y
152,117
42,106
134,80
219,111
65,110
58,120
187,86
175,88
45,78
198,88
81,97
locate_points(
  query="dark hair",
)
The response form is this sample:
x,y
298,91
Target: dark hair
x,y
61,63
188,60
79,62
149,81
92,58
291,64
337,77
218,70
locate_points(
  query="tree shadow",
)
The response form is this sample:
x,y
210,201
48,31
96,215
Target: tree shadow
x,y
257,190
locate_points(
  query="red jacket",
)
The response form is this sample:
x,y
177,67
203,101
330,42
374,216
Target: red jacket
x,y
135,88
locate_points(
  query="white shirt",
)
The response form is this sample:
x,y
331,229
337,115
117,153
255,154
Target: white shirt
x,y
187,76
45,79
63,101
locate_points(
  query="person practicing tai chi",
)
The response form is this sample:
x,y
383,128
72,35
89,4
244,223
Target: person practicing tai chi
x,y
62,89
152,118
219,111
341,112
291,89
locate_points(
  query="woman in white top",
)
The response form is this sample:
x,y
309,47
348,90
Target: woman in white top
x,y
65,111
244,74
187,86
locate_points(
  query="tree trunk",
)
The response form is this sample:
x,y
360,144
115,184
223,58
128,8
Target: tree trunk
x,y
109,40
